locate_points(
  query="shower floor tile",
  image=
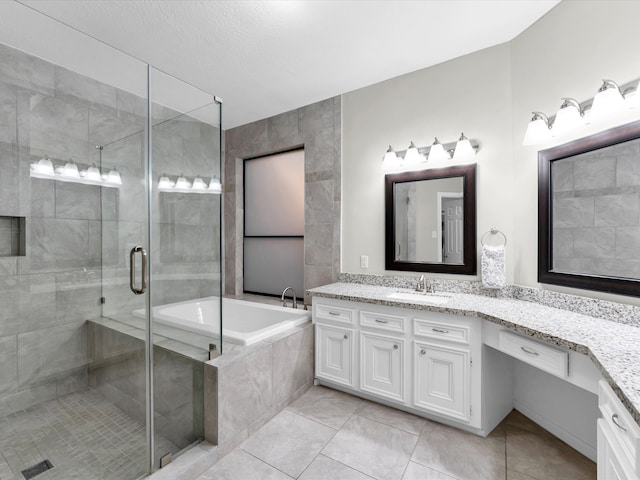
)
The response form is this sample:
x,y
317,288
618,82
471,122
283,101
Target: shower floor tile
x,y
82,434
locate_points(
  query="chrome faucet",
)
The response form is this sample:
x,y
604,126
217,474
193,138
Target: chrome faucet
x,y
422,285
284,300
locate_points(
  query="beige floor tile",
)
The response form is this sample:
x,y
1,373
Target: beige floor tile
x,y
460,454
325,468
289,442
239,465
517,419
513,475
392,417
373,448
327,406
415,471
542,456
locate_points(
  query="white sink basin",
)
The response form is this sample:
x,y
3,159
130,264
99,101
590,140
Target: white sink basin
x,y
419,297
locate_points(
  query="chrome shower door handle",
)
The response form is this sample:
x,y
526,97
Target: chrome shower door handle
x,y
132,270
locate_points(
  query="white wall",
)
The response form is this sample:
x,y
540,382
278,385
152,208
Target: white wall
x,y
470,94
489,95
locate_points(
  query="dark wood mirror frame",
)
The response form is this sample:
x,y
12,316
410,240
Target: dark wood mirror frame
x,y
468,175
610,284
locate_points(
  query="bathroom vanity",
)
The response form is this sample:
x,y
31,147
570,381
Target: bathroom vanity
x,y
449,357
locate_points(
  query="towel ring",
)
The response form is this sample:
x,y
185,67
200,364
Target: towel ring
x,y
493,231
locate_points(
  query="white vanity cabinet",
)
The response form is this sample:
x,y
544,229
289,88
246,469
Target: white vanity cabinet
x,y
618,439
424,362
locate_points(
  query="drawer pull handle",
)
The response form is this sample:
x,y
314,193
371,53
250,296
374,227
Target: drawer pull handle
x,y
530,352
395,347
381,321
335,314
422,352
346,336
614,419
439,330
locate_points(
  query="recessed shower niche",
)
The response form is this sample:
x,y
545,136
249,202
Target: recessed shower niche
x,y
12,237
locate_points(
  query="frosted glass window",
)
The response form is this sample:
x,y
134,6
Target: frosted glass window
x,y
274,223
274,195
271,264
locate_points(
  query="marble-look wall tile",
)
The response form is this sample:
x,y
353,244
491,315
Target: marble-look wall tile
x,y
74,200
594,242
595,171
292,364
319,202
617,210
318,245
628,170
51,351
9,187
8,365
26,71
562,175
78,296
8,113
245,392
43,198
68,83
628,242
573,212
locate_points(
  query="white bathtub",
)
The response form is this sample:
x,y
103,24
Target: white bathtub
x,y
243,322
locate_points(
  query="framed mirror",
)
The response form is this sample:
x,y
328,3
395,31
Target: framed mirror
x,y
589,212
430,218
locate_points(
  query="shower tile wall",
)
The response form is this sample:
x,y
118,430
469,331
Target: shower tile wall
x,y
317,128
78,236
596,212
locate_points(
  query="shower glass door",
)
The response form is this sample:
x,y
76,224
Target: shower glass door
x,y
184,269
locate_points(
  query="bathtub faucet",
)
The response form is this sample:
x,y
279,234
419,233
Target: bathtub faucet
x,y
284,300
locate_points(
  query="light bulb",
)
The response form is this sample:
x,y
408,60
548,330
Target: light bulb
x,y
165,183
537,130
70,170
464,152
569,117
608,100
412,156
92,174
390,158
199,184
43,167
113,178
182,183
437,153
215,186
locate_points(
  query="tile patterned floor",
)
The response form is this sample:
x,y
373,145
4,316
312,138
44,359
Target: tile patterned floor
x,y
83,435
329,435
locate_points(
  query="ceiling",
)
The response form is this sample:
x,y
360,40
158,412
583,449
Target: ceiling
x,y
267,57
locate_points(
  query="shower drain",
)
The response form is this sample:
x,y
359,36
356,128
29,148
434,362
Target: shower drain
x,y
37,469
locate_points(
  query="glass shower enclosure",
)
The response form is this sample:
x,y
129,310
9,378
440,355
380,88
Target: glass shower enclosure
x,y
109,212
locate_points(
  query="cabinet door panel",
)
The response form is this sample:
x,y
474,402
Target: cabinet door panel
x,y
610,465
334,354
442,383
382,366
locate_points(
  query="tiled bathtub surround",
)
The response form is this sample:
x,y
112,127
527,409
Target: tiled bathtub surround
x,y
317,128
615,312
614,347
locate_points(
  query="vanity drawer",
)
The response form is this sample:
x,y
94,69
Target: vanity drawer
x,y
538,354
335,314
383,321
625,429
441,330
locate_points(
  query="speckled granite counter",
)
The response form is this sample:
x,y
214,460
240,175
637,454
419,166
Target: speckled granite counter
x,y
614,347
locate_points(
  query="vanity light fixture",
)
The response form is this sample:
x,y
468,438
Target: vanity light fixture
x,y
538,129
69,171
437,153
464,151
610,98
45,169
182,185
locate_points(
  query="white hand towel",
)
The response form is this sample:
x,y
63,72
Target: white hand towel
x,y
493,270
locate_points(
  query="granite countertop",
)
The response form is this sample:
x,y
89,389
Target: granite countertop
x,y
614,347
